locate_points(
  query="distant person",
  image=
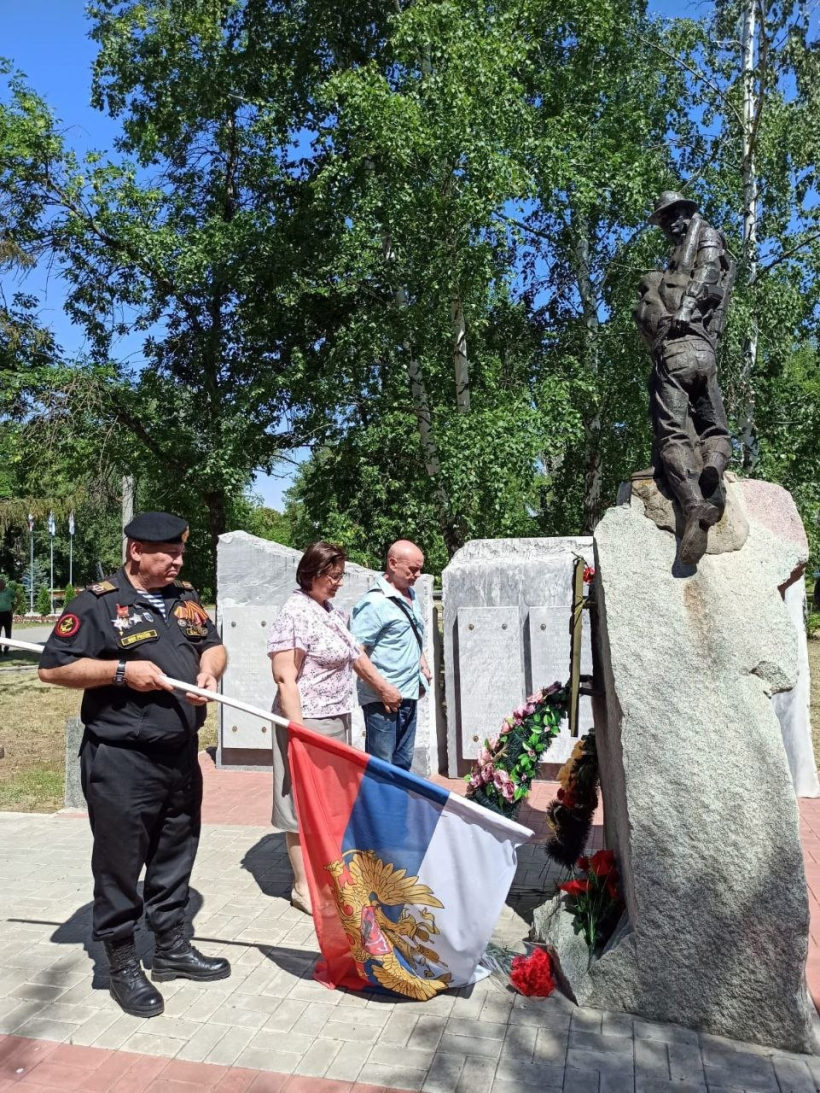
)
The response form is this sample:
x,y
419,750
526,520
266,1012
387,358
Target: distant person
x,y
7,596
313,657
389,624
139,756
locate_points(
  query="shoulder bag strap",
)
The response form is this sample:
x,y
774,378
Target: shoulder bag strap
x,y
409,614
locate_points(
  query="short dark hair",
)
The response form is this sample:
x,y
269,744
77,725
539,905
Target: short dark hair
x,y
317,559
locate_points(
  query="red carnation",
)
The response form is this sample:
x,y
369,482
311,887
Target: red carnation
x,y
583,863
603,862
574,887
612,887
589,574
532,975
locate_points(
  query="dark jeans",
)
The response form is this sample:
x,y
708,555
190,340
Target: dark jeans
x,y
391,736
5,628
144,807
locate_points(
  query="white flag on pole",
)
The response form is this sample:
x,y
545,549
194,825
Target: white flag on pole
x,y
71,522
52,527
30,522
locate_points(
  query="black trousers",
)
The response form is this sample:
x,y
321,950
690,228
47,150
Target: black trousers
x,y
144,805
5,627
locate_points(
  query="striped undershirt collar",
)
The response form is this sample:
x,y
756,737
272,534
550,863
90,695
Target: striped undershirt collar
x,y
156,601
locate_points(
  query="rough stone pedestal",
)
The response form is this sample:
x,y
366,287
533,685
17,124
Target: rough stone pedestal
x,y
698,799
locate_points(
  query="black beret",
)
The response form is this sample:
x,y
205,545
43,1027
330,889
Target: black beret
x,y
157,527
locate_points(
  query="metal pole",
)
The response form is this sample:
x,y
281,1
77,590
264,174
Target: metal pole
x,y
31,564
576,624
71,548
51,529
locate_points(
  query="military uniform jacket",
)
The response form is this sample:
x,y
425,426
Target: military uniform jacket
x,y
112,620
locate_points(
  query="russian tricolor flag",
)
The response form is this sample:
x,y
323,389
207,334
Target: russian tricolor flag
x,y
407,880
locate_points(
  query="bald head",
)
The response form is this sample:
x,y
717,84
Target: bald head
x,y
404,564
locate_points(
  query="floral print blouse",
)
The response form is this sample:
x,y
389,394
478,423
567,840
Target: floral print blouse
x,y
325,681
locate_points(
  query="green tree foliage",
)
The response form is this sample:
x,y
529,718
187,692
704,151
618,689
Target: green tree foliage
x,y
42,601
407,236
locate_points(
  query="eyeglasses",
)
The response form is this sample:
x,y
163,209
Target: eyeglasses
x,y
334,578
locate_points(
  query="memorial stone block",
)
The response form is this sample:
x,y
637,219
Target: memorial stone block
x,y
255,577
533,578
491,656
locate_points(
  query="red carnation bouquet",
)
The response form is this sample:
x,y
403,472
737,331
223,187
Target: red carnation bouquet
x,y
595,899
532,974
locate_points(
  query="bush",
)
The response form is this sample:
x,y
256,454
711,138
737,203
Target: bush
x,y
69,594
813,624
42,601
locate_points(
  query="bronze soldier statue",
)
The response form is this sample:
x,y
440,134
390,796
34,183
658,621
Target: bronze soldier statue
x,y
681,315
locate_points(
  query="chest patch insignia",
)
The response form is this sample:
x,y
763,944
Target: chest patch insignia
x,y
137,639
122,611
67,627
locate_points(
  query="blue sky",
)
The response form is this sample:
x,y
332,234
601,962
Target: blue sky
x,y
48,41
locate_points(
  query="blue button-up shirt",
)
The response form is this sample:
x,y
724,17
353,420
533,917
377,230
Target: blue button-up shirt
x,y
382,627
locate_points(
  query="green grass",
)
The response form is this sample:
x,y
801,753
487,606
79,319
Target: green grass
x,y
40,788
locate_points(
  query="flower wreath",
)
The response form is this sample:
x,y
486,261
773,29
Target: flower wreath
x,y
507,763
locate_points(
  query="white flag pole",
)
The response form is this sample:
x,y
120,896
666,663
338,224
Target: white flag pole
x,y
51,530
31,564
71,548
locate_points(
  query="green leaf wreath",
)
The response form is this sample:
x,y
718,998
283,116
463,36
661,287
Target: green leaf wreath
x,y
501,776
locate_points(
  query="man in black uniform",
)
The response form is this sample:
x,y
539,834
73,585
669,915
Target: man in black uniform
x,y
139,766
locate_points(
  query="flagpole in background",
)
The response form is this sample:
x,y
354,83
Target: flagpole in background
x,y
31,564
51,529
71,548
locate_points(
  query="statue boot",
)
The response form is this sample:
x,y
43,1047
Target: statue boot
x,y
716,455
683,474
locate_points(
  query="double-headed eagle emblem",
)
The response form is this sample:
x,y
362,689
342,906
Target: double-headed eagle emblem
x,y
383,914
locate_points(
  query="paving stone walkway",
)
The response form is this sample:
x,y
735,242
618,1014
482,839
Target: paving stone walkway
x,y
270,1027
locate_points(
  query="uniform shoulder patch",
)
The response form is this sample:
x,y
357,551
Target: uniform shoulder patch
x,y
67,626
101,587
184,584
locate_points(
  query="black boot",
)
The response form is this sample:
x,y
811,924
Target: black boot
x,y
176,958
128,985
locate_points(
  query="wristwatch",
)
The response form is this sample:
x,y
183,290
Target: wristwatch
x,y
119,675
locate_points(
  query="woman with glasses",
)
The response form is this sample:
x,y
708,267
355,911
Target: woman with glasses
x,y
313,657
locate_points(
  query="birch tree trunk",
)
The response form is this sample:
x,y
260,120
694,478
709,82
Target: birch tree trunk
x,y
751,112
461,363
593,423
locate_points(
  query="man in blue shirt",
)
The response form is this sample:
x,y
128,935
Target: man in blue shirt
x,y
388,622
